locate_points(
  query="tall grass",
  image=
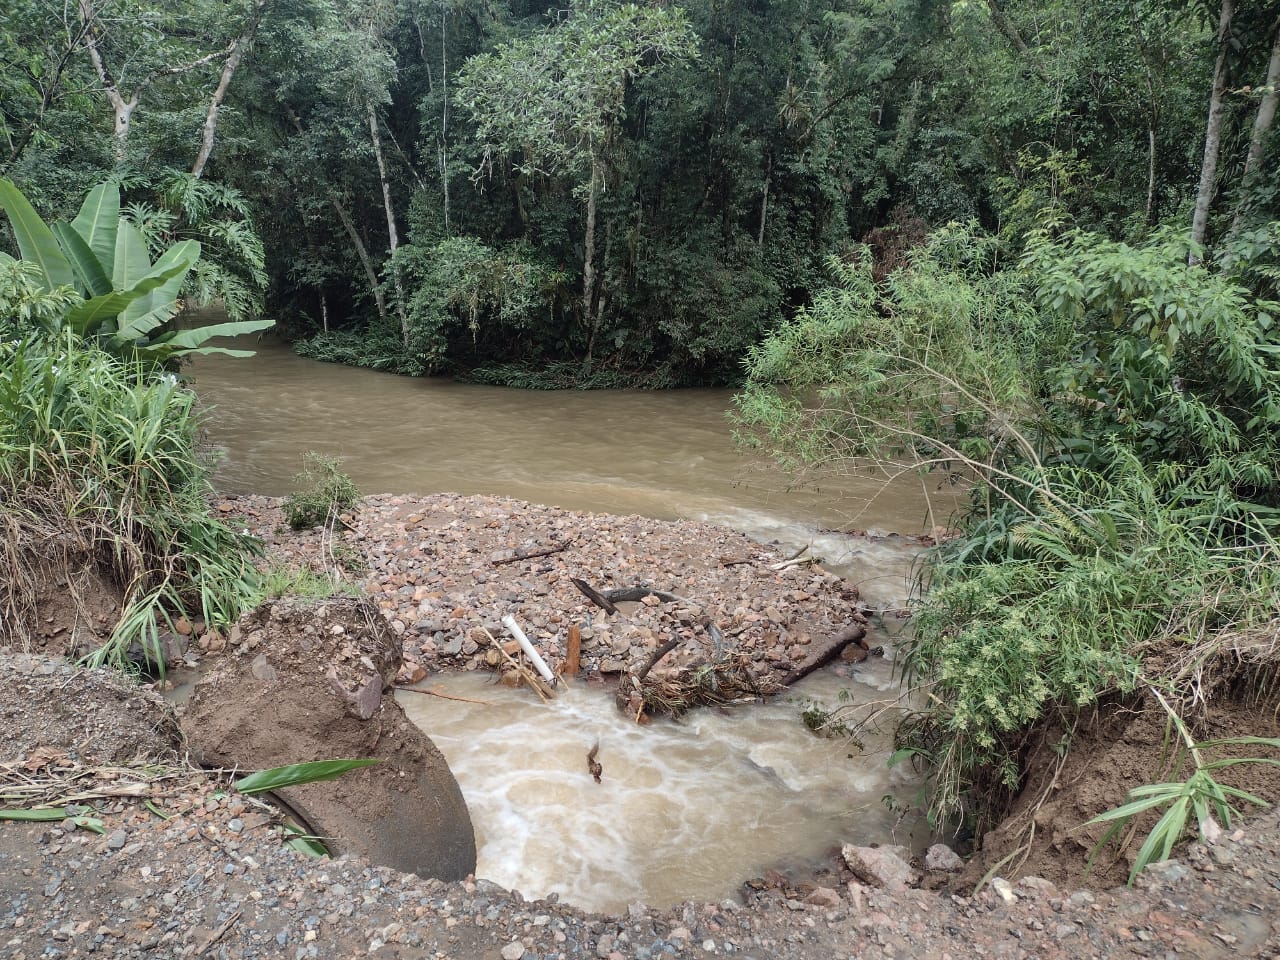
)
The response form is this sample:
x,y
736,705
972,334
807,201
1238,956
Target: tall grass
x,y
101,453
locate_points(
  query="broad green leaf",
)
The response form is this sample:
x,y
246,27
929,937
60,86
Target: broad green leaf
x,y
85,318
130,262
304,843
196,336
296,774
52,813
98,222
36,242
145,314
93,278
92,824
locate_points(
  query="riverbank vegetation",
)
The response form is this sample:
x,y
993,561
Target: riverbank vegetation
x,y
103,497
1117,410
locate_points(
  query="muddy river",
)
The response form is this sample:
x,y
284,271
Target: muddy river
x,y
685,810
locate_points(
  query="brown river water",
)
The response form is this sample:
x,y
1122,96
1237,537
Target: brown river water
x,y
686,810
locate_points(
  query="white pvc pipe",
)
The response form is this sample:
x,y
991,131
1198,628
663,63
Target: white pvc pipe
x,y
539,664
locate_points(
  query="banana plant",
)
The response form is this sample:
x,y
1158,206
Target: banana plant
x,y
125,300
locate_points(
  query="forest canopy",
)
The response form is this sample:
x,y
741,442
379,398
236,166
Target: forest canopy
x,y
606,192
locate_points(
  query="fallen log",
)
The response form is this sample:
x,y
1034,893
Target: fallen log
x,y
573,652
592,594
854,633
626,594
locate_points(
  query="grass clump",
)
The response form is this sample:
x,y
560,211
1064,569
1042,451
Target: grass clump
x,y
327,491
99,472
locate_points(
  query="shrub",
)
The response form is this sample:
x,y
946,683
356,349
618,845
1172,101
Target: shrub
x,y
99,453
327,491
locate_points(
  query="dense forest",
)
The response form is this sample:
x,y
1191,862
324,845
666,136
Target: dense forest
x,y
608,193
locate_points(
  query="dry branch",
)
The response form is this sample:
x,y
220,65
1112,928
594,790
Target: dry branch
x,y
594,595
523,554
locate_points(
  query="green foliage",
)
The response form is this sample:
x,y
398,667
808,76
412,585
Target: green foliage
x,y
296,774
463,289
282,581
232,262
1116,411
374,349
103,451
935,366
1200,794
326,492
102,257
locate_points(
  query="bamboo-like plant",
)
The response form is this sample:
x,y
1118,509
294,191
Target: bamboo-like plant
x,y
125,300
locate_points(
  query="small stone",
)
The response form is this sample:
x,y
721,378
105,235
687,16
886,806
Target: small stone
x,y
262,669
235,825
117,839
942,858
513,951
1005,890
824,897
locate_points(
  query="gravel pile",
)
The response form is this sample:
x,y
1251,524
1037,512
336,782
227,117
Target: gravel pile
x,y
443,570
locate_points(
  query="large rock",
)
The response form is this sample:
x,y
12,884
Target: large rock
x,y
307,683
885,867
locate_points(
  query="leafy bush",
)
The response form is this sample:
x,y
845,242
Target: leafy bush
x,y
1118,415
374,350
124,300
100,453
327,492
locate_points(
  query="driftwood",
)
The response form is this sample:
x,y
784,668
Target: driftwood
x,y
625,594
657,655
593,765
594,595
544,692
573,652
854,633
523,554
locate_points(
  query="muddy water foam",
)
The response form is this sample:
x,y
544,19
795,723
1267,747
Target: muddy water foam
x,y
684,811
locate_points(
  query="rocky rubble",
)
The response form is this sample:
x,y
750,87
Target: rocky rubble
x,y
445,569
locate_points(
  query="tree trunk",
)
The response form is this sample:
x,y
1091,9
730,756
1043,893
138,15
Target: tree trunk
x,y
363,253
588,259
1262,122
238,49
1212,137
1010,32
444,113
1151,178
392,234
764,203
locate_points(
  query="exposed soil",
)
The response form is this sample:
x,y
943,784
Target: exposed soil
x,y
215,881
1113,749
307,684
